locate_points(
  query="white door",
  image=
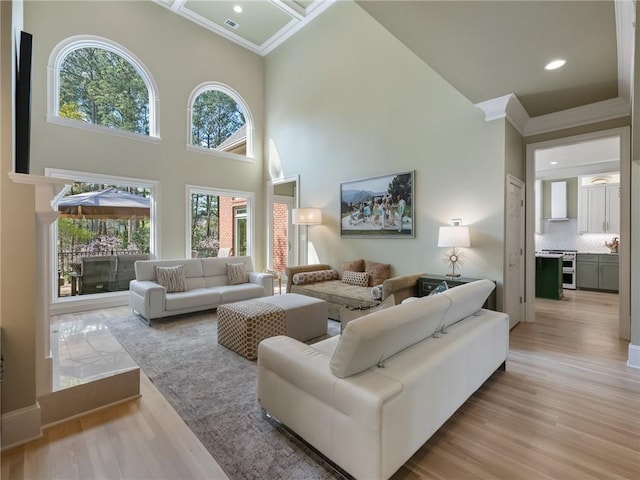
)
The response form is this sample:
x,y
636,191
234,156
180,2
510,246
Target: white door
x,y
514,252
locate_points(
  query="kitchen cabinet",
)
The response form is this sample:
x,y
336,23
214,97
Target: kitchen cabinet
x,y
597,271
549,276
599,209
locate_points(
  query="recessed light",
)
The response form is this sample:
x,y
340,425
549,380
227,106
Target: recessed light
x,y
555,64
237,9
553,163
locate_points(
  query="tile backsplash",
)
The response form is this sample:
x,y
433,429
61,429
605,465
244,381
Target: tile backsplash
x,y
562,235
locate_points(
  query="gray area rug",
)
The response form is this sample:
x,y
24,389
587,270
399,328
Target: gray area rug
x,y
214,391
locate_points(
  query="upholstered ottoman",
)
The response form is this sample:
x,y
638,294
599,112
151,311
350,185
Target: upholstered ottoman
x,y
243,325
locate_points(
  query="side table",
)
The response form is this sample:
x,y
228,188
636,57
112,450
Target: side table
x,y
428,282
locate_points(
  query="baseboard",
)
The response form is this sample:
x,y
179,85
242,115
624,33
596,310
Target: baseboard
x,y
634,356
21,426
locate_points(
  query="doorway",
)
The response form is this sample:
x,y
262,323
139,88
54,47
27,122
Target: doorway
x,y
575,168
282,243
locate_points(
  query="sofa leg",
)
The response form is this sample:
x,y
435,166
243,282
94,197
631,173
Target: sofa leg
x,y
503,367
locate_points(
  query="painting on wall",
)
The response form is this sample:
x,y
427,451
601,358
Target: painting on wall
x,y
378,207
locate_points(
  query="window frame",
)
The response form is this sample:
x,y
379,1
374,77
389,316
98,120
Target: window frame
x,y
251,208
57,57
72,304
248,117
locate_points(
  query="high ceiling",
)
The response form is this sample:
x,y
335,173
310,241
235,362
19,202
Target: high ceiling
x,y
258,25
485,49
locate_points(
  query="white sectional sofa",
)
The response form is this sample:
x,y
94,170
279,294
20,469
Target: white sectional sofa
x,y
368,399
206,285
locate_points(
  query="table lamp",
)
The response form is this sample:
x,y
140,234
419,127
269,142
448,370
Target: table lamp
x,y
455,238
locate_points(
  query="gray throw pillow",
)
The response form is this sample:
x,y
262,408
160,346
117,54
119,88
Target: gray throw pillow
x,y
172,278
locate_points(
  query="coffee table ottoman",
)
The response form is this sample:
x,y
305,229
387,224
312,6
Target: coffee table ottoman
x,y
243,325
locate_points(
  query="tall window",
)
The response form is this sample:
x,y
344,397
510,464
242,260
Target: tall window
x,y
105,225
100,83
219,220
219,120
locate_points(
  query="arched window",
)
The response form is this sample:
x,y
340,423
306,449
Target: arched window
x,y
96,82
219,121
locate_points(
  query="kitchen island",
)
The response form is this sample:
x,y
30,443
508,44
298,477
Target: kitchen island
x,y
549,275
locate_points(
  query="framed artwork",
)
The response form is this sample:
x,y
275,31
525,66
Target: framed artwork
x,y
378,207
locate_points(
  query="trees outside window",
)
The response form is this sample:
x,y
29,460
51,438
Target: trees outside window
x,y
217,220
219,120
96,84
101,87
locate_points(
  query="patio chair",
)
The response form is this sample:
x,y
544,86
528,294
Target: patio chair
x,y
125,271
224,252
97,274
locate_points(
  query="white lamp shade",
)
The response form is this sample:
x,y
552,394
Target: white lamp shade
x,y
306,216
454,237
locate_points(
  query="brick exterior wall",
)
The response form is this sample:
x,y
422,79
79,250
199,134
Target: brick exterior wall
x,y
280,237
226,232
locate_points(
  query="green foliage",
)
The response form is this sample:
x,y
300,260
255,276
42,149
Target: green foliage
x,y
215,117
205,220
101,87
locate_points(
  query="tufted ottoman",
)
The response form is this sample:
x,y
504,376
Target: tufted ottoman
x,y
243,325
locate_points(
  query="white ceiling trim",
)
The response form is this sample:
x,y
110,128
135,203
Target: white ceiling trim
x,y
509,107
625,19
574,117
292,27
300,17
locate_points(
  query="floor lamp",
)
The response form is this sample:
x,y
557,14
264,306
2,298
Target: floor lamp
x,y
305,217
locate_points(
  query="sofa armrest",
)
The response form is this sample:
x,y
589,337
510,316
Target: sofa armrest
x,y
291,271
401,287
298,364
264,279
307,369
151,295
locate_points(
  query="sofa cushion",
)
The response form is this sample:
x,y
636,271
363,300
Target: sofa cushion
x,y
378,272
316,276
171,278
237,273
368,341
192,299
360,279
353,266
466,300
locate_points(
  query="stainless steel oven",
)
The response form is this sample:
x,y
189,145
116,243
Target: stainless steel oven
x,y
568,267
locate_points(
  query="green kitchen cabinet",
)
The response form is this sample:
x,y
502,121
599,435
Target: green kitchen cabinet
x,y
597,271
549,276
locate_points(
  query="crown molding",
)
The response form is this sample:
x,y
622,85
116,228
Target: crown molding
x,y
574,117
507,106
625,21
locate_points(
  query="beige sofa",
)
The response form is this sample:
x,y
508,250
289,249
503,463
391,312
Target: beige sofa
x,y
207,285
381,389
338,294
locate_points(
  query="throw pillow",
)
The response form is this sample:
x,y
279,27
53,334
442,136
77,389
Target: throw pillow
x,y
315,276
440,288
237,273
376,292
172,278
378,272
354,266
360,279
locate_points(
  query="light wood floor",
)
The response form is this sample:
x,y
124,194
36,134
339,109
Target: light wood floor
x,y
567,407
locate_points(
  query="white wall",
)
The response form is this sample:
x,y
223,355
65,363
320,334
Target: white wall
x,y
345,100
180,56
